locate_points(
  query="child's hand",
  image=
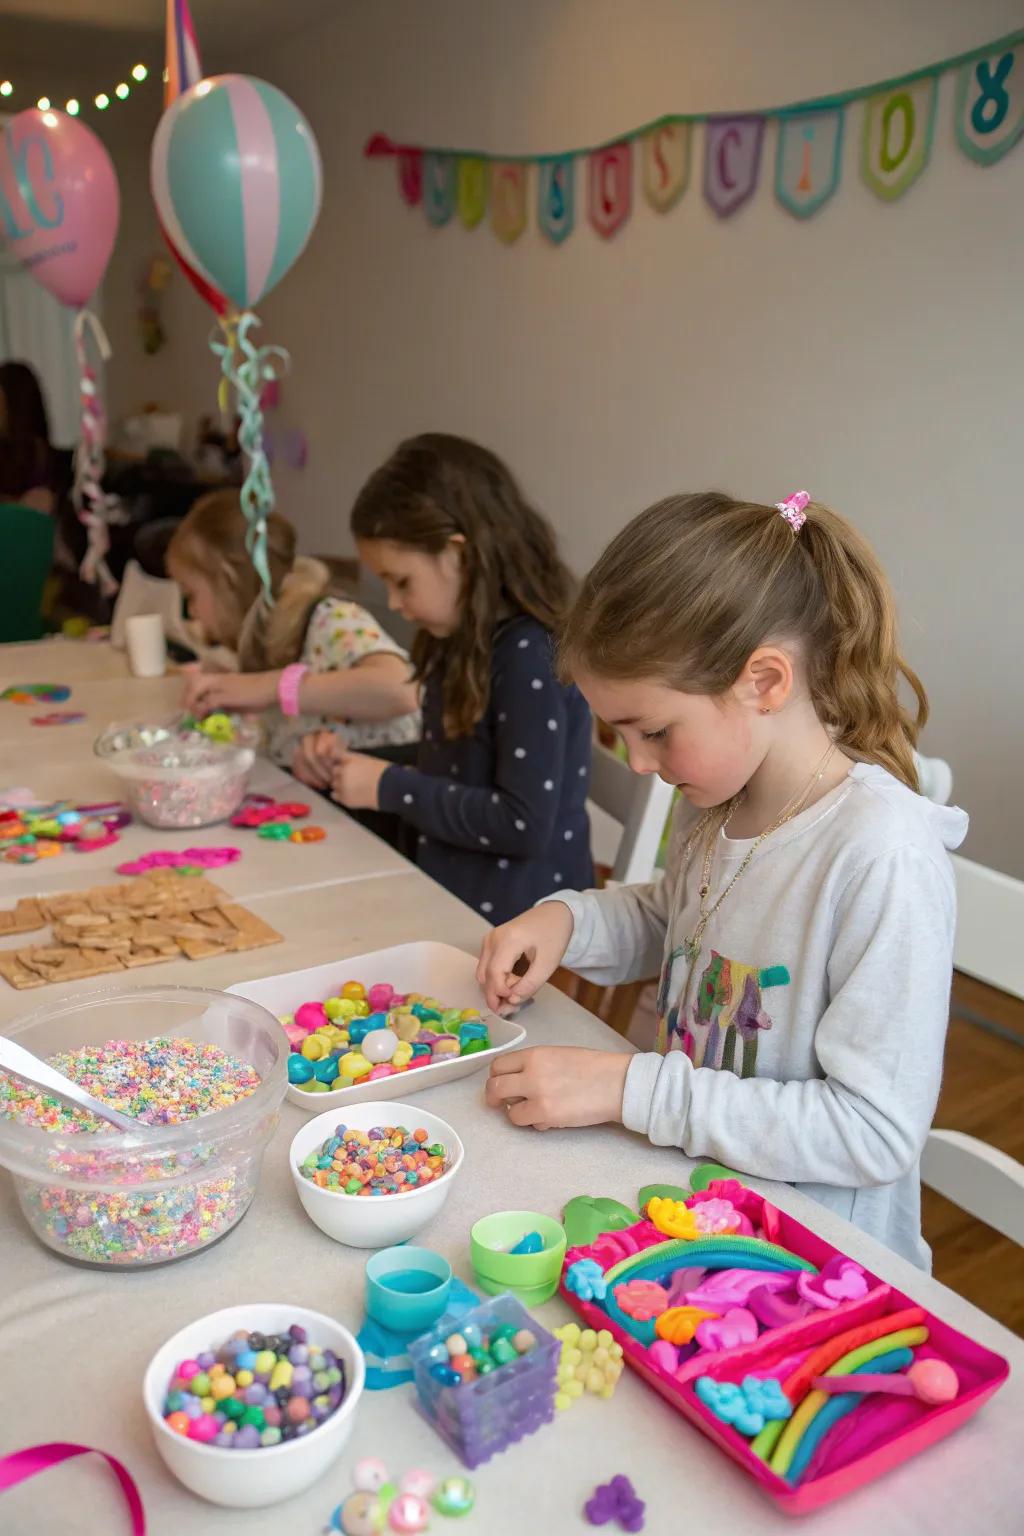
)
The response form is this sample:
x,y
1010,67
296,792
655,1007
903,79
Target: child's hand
x,y
209,691
315,757
541,937
355,780
554,1085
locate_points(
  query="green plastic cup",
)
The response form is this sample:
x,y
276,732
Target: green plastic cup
x,y
533,1277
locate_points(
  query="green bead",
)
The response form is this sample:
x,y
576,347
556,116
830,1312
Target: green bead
x,y
200,1384
437,1150
486,1367
503,1331
353,1187
333,1008
232,1408
471,1047
275,831
253,1414
502,1352
477,1356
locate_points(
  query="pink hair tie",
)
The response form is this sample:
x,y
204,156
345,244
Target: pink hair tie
x,y
793,509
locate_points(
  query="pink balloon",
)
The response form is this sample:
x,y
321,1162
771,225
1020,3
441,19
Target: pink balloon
x,y
59,202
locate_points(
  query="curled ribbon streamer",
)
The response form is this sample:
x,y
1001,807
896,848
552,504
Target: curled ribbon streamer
x,y
229,325
21,1465
248,373
95,509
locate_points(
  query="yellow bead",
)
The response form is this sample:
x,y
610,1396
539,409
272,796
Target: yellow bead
x,y
355,991
243,1378
588,1339
222,1386
354,1064
208,1403
315,1048
361,1011
604,1339
563,1400
574,1388
281,1375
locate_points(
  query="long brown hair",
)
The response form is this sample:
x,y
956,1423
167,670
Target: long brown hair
x,y
211,542
696,583
433,487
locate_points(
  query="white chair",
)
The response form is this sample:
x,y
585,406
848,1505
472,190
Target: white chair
x,y
640,804
628,812
981,1180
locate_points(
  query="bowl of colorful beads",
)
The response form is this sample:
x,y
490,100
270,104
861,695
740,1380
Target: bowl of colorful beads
x,y
252,1404
182,784
202,1072
376,1175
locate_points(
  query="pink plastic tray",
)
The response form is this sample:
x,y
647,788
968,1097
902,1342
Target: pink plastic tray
x,y
861,1448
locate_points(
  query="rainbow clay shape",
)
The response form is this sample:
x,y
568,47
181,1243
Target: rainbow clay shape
x,y
933,1381
837,1408
826,1355
813,1403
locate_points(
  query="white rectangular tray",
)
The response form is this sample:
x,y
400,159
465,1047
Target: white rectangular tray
x,y
437,970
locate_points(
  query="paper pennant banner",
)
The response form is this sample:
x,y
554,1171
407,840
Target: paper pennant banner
x,y
807,161
438,188
508,199
471,192
666,164
410,175
898,126
610,193
990,105
732,161
556,197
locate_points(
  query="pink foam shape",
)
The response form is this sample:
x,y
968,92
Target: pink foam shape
x,y
735,1327
726,1288
840,1279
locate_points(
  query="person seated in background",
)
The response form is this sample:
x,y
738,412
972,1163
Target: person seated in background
x,y
27,468
311,660
495,808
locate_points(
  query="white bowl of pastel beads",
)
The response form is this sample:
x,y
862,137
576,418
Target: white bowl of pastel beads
x,y
370,1219
228,1468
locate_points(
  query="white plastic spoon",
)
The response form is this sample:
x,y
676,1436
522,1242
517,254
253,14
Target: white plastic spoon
x,y
32,1069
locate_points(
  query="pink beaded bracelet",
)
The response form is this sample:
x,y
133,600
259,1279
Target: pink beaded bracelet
x,y
288,685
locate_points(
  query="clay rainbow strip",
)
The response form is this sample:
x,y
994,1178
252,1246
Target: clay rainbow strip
x,y
839,1406
814,1402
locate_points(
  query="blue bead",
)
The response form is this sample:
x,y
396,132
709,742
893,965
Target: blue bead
x,y
445,1375
472,1335
326,1070
246,1360
437,1354
299,1069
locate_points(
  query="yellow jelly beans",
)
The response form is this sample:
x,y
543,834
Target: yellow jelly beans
x,y
315,1047
354,1064
354,991
589,1362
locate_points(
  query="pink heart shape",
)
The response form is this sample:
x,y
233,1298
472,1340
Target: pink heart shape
x,y
738,1326
840,1279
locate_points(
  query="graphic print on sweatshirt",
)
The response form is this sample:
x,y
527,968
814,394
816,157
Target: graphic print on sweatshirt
x,y
727,1016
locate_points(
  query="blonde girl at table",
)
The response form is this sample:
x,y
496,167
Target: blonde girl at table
x,y
804,927
311,659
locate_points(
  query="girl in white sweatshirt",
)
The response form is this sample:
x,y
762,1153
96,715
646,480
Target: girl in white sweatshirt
x,y
804,925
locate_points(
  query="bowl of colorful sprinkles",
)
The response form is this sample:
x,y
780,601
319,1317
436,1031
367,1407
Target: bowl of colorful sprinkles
x,y
252,1404
180,784
376,1175
203,1073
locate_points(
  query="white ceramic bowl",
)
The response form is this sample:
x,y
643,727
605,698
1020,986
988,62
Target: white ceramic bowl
x,y
369,1222
250,1479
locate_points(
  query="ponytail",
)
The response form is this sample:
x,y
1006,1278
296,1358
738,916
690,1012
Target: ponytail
x,y
854,681
691,588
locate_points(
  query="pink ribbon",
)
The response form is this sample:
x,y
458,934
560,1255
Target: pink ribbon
x,y
21,1465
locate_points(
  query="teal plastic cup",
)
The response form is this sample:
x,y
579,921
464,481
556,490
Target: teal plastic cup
x,y
407,1288
533,1277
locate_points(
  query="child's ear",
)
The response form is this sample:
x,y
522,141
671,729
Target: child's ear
x,y
766,681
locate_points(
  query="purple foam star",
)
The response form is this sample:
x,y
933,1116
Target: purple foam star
x,y
616,1500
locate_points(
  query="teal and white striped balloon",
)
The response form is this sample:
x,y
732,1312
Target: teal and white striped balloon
x,y
235,174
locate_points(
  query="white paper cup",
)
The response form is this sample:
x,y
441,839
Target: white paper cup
x,y
147,648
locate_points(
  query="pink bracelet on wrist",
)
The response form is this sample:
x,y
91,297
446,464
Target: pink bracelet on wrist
x,y
288,685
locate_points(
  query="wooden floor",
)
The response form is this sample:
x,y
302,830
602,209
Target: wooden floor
x,y
983,1095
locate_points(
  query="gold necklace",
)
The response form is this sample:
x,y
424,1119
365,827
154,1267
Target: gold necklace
x,y
793,807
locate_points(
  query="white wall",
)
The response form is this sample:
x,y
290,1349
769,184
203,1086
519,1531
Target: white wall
x,y
872,354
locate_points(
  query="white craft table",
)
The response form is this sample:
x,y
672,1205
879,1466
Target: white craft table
x,y
74,1343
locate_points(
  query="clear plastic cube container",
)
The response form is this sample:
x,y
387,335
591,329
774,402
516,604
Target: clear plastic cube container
x,y
482,1417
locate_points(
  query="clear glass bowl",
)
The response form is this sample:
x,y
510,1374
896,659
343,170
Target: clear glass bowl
x,y
133,1200
184,784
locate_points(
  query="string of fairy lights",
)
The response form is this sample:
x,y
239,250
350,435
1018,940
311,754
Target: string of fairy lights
x,y
138,75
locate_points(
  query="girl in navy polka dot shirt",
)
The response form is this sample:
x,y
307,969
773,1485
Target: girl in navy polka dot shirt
x,y
496,806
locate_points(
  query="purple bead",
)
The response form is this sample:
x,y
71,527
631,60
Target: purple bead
x,y
298,1354
246,1439
223,1439
206,1359
302,1377
330,1358
334,1397
305,1427
297,1333
192,1406
254,1395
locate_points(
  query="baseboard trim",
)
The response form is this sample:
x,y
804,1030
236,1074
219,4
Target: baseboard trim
x,y
990,923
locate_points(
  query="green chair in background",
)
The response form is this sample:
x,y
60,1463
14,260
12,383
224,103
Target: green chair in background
x,y
26,554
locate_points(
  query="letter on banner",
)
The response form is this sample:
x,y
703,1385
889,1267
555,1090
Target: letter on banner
x,y
732,161
410,176
897,140
807,161
990,105
508,199
471,196
666,170
438,187
556,197
611,187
